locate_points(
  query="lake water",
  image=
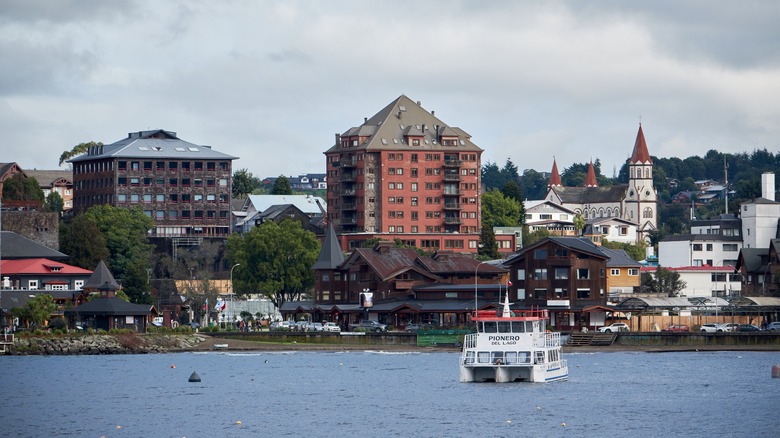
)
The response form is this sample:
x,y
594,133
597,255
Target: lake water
x,y
367,394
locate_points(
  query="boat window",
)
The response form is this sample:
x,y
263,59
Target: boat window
x,y
469,357
497,357
539,357
511,356
483,357
505,327
490,327
529,326
518,327
523,357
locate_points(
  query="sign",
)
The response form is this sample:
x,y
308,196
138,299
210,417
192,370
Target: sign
x,y
367,300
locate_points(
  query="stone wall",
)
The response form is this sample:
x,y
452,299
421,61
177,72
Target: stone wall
x,y
43,228
104,344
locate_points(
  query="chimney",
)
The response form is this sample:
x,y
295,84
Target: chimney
x,y
338,139
768,185
365,119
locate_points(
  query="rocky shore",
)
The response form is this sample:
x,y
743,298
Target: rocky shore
x,y
171,343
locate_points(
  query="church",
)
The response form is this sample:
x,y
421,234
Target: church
x,y
635,202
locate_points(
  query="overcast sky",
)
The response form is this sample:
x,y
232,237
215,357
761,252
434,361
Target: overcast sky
x,y
272,81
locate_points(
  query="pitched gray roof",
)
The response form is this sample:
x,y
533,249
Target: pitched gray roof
x,y
331,255
152,145
619,258
387,130
110,306
15,246
591,195
101,276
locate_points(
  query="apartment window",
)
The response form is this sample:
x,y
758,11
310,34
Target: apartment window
x,y
561,273
173,214
583,274
540,294
697,247
121,197
730,247
614,272
148,198
540,274
134,198
709,247
633,272
159,214
583,293
698,262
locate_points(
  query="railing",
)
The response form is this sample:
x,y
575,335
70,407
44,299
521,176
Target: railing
x,y
452,206
453,163
452,220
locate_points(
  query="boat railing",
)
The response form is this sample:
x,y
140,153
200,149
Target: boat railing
x,y
552,339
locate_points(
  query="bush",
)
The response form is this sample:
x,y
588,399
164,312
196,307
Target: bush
x,y
58,324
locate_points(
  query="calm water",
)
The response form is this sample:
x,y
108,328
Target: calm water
x,y
367,394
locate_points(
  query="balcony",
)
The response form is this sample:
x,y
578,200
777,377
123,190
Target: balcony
x,y
349,220
403,284
451,177
452,163
348,177
346,164
451,192
452,206
348,192
348,206
451,220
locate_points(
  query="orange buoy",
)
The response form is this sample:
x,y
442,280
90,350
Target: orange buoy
x,y
173,366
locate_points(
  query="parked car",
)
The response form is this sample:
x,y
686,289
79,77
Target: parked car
x,y
773,326
331,327
677,328
615,327
368,325
748,328
414,328
280,325
712,328
730,327
316,327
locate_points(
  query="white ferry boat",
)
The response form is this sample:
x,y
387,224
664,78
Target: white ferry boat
x,y
513,347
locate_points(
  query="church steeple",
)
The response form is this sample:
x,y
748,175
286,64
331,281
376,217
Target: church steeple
x,y
590,179
555,177
640,154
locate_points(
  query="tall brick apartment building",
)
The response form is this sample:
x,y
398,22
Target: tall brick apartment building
x,y
184,187
404,174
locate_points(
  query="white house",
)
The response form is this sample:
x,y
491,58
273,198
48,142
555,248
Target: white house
x,y
706,281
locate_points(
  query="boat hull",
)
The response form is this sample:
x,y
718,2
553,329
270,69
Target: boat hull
x,y
506,374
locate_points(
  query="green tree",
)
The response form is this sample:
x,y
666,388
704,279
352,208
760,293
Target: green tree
x,y
488,247
54,203
634,250
20,188
243,183
276,260
130,256
282,186
37,310
500,211
579,223
664,282
79,149
491,176
512,191
84,242
534,236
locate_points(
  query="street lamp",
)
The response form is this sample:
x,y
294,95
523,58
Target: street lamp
x,y
231,290
475,287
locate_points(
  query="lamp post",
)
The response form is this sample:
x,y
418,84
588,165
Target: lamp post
x,y
231,290
475,288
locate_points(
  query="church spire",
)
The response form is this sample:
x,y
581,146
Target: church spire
x,y
590,179
555,177
640,154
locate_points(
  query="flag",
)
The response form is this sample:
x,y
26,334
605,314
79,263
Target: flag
x,y
220,306
508,283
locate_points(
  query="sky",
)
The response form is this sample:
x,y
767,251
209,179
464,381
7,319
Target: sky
x,y
271,82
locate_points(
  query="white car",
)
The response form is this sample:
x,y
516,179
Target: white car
x,y
615,327
331,327
712,328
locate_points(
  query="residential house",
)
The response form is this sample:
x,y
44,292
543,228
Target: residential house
x,y
760,270
55,181
622,273
566,275
555,218
706,281
612,229
42,274
258,208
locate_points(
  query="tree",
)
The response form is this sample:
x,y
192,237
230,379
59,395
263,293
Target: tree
x,y
579,223
125,231
664,282
84,242
243,183
276,260
500,211
54,203
512,191
634,250
488,247
491,176
282,186
79,149
534,236
20,188
37,309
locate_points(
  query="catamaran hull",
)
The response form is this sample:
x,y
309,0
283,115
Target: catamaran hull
x,y
505,374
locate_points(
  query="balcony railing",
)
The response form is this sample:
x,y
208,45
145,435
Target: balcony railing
x,y
452,206
453,163
451,177
451,220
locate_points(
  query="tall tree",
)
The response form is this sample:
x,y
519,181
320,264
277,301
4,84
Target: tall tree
x,y
84,242
20,188
488,247
282,186
491,176
664,282
54,203
79,149
243,183
276,260
500,211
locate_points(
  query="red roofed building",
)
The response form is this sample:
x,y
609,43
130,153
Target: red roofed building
x,y
42,274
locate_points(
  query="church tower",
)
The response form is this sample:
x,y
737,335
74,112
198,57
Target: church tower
x,y
641,203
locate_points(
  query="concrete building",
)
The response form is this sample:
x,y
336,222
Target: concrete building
x,y
405,174
184,187
761,216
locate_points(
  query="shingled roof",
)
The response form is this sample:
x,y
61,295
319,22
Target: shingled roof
x,y
99,277
640,154
331,255
15,246
591,195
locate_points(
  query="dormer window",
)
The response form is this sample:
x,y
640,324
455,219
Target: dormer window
x,y
415,142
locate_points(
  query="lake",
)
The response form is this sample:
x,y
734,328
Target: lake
x,y
374,393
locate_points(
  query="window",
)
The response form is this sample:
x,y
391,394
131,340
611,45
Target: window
x,y
614,272
697,262
730,247
633,272
709,247
583,293
583,274
697,246
540,294
540,254
540,274
561,273
521,274
32,284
